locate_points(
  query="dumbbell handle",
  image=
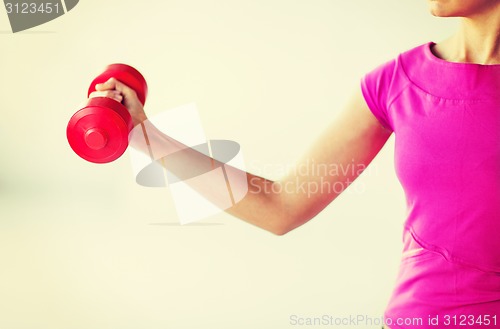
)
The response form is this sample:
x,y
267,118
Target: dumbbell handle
x,y
126,74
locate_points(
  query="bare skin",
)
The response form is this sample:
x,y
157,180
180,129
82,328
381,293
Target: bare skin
x,y
354,138
478,38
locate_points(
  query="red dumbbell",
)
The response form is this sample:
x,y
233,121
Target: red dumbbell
x,y
99,132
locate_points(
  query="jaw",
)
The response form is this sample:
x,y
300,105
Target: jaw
x,y
463,8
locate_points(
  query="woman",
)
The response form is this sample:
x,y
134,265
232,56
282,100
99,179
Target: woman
x,y
442,102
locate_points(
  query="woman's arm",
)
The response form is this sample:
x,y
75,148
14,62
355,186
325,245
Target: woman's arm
x,y
338,157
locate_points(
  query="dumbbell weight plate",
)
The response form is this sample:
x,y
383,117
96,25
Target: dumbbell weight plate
x,y
99,132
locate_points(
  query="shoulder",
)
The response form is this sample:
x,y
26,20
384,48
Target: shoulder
x,y
400,64
417,54
394,74
382,85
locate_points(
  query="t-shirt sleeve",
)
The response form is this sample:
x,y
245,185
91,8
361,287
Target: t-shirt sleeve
x,y
376,86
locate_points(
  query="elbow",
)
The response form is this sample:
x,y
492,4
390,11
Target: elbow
x,y
279,231
286,225
286,218
277,227
289,223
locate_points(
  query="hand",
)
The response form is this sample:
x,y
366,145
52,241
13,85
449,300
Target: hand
x,y
122,93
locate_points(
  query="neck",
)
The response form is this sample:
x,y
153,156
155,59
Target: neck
x,y
477,41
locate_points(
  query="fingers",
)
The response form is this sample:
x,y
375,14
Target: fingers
x,y
108,85
122,93
113,94
113,84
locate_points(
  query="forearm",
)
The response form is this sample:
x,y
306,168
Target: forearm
x,y
260,205
347,147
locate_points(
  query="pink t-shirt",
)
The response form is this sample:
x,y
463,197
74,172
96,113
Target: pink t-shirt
x,y
446,121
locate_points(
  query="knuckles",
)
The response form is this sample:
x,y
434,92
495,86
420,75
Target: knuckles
x,y
108,94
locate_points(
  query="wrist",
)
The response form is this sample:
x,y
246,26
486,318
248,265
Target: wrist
x,y
138,119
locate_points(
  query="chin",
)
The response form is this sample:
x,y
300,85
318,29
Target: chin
x,y
461,8
441,8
